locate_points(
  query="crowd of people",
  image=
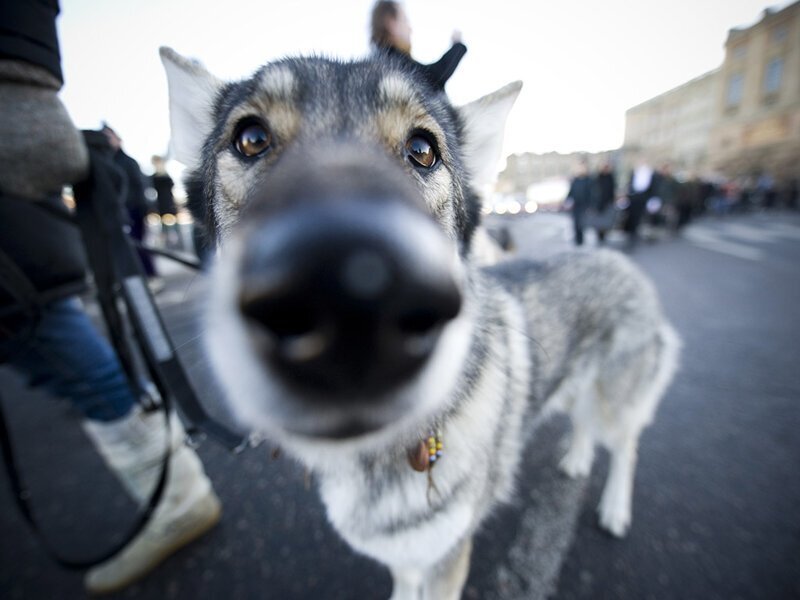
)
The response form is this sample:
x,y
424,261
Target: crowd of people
x,y
657,198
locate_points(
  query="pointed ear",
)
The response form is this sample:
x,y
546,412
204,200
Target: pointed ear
x,y
192,91
484,125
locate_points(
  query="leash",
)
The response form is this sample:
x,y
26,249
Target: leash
x,y
118,280
118,273
22,498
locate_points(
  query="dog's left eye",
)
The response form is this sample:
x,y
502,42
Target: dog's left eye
x,y
421,151
252,139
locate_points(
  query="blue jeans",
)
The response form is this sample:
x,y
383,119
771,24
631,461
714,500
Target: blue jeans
x,y
68,357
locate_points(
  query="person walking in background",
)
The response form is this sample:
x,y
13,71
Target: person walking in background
x,y
667,189
640,189
690,196
390,31
580,197
165,201
765,188
45,334
791,193
605,187
135,204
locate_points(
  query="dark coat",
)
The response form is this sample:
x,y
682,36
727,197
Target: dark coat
x,y
135,200
580,190
163,184
604,188
43,248
28,32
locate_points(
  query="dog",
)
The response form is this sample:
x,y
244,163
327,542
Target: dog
x,y
350,322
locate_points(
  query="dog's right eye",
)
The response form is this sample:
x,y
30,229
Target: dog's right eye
x,y
252,139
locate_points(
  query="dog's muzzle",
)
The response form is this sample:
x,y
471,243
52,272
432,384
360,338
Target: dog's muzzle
x,y
346,298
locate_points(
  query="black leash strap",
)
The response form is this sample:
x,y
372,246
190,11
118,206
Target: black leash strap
x,y
117,269
118,277
22,498
14,281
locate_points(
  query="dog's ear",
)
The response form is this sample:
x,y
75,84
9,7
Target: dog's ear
x,y
484,125
192,91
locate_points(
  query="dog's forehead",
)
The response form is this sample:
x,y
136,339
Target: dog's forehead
x,y
348,90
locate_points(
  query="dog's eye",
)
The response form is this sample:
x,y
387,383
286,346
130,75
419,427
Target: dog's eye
x,y
421,151
252,139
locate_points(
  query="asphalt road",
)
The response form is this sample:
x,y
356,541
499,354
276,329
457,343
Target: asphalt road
x,y
716,495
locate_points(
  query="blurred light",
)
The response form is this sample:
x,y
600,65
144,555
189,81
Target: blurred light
x,y
654,205
500,209
623,203
486,209
169,220
514,207
185,218
153,219
531,206
68,197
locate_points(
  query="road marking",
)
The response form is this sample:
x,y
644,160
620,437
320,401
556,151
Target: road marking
x,y
766,233
711,240
786,230
749,233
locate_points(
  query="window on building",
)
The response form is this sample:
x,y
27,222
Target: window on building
x,y
772,76
735,90
780,33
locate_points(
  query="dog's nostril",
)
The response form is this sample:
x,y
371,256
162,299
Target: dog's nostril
x,y
419,322
281,319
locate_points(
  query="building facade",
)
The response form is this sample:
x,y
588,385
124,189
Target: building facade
x,y
758,104
527,169
674,127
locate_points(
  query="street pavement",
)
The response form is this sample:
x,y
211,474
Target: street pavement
x,y
716,496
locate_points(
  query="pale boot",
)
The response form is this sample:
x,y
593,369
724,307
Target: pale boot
x,y
134,448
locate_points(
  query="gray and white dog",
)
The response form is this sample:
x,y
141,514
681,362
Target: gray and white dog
x,y
351,323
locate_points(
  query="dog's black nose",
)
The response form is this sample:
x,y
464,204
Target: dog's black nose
x,y
348,297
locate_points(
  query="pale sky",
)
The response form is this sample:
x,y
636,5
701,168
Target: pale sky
x,y
583,62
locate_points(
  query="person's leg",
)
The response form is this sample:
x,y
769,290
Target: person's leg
x,y
70,358
67,356
635,213
577,221
138,232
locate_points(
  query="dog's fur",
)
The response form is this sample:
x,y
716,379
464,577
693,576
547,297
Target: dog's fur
x,y
582,333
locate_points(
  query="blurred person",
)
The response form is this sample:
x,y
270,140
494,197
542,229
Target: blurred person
x,y
45,334
135,204
605,186
746,194
390,31
580,198
792,193
667,189
165,201
765,189
641,189
690,195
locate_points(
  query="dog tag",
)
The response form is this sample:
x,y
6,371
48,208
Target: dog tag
x,y
418,457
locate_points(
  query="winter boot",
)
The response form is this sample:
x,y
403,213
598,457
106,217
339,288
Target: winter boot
x,y
134,448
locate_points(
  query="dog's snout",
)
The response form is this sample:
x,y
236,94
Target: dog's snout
x,y
348,298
